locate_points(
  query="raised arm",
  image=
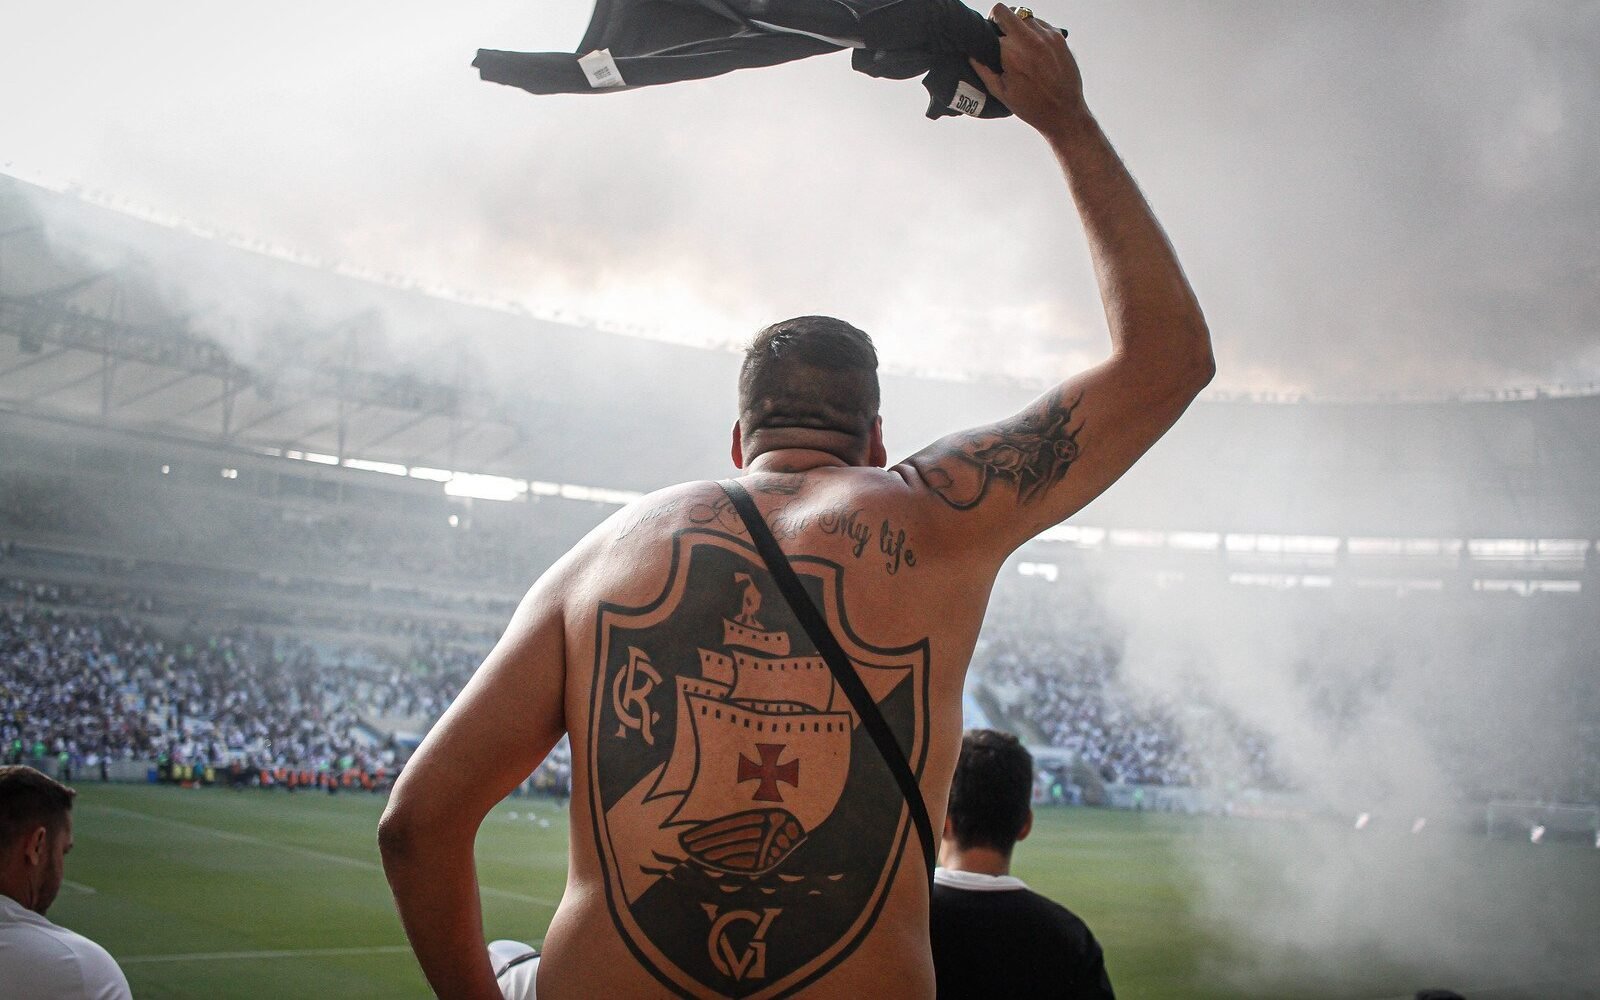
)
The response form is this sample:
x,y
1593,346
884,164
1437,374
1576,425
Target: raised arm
x,y
504,722
1004,483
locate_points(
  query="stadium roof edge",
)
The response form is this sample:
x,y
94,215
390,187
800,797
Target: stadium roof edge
x,y
402,283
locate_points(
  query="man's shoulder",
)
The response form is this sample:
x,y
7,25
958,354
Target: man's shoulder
x,y
703,503
1012,941
1056,912
1015,899
660,504
31,931
102,976
51,956
657,513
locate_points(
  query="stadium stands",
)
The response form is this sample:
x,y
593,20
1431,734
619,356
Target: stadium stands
x,y
300,548
1499,691
1048,661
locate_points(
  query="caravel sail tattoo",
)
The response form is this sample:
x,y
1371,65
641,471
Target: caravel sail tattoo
x,y
748,829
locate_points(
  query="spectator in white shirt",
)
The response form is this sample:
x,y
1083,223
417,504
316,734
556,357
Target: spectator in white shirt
x,y
38,959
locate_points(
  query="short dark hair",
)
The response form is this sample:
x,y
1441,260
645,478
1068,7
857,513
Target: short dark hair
x,y
810,371
30,799
992,790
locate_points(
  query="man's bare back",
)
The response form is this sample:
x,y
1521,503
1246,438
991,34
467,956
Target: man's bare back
x,y
739,831
734,832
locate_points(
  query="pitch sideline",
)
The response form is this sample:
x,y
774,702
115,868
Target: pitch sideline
x,y
244,838
225,956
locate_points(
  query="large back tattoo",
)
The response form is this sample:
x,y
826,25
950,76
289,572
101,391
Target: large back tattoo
x,y
748,828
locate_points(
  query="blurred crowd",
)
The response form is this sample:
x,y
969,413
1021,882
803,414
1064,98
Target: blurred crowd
x,y
1047,663
91,676
90,687
65,684
287,565
84,690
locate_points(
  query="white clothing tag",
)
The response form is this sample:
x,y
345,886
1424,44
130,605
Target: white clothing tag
x,y
969,100
601,69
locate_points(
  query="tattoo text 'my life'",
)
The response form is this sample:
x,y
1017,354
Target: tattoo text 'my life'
x,y
851,524
856,528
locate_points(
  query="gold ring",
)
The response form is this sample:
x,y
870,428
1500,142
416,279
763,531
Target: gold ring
x,y
1023,13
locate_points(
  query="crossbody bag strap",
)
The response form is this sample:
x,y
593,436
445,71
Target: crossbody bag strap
x,y
844,673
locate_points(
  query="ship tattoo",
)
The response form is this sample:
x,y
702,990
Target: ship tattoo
x,y
748,827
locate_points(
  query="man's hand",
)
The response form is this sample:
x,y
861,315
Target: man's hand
x,y
1005,482
1039,81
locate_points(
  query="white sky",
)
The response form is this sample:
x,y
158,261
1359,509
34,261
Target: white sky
x,y
1368,196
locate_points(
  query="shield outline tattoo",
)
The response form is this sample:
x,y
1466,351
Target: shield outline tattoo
x,y
914,656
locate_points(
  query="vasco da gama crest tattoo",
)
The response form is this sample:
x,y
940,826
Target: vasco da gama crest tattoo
x,y
748,828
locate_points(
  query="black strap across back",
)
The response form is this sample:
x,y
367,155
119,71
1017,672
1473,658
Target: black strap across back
x,y
844,673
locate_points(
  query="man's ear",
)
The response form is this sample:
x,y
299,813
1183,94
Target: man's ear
x,y
738,446
36,845
877,455
1027,827
949,829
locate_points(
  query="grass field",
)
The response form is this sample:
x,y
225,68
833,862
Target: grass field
x,y
219,894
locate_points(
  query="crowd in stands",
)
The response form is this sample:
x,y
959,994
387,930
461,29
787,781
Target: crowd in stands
x,y
323,564
60,686
1048,662
95,673
89,688
81,690
97,685
79,677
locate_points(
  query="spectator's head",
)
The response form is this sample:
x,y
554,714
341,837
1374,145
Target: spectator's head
x,y
991,794
35,835
810,382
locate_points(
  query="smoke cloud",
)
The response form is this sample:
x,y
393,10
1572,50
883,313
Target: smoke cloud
x,y
1413,711
1368,197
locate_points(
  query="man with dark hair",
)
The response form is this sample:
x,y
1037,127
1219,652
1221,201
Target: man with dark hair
x,y
736,828
812,379
38,959
992,935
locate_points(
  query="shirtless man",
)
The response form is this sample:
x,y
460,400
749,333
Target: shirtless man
x,y
733,830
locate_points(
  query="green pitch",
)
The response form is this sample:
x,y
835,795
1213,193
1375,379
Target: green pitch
x,y
219,894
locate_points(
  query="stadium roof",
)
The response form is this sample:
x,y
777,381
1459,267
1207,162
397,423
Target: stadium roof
x,y
100,323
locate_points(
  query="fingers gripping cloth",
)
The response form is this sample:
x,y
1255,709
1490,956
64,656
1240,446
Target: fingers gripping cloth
x,y
932,39
642,43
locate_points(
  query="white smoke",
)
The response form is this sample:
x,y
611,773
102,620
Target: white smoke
x,y
1405,709
1368,198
